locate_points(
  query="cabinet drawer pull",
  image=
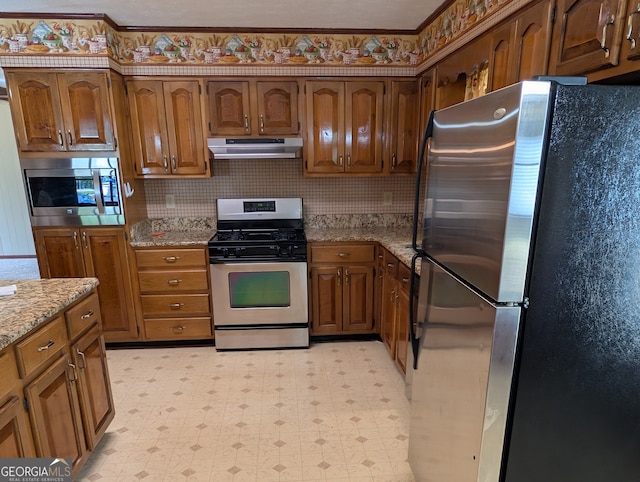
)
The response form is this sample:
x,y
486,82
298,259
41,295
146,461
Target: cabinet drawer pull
x,y
603,43
174,282
70,137
346,277
75,240
73,370
178,329
405,280
261,123
630,30
246,124
171,259
47,346
343,255
83,358
341,160
394,160
339,275
349,160
165,163
173,163
88,314
84,239
176,305
390,265
60,139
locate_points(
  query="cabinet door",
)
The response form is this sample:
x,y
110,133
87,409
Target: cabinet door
x,y
94,386
402,329
404,132
105,254
587,35
59,254
631,47
387,326
55,413
427,100
326,299
358,298
35,105
184,112
501,44
364,126
533,40
277,107
325,143
229,108
86,111
149,127
15,439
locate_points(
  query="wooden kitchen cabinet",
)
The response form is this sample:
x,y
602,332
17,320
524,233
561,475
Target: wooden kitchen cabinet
x,y
15,435
404,132
61,112
501,55
533,41
341,288
587,36
93,252
55,414
168,128
344,127
175,300
253,108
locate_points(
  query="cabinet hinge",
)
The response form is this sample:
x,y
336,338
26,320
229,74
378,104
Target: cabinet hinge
x,y
26,404
553,15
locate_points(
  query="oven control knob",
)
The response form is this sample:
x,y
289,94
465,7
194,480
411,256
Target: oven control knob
x,y
225,252
237,252
290,251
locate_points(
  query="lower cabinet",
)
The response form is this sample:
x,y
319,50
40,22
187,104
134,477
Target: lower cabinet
x,y
175,300
93,252
341,297
55,393
394,307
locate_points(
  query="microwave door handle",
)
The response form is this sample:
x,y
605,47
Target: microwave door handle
x,y
97,188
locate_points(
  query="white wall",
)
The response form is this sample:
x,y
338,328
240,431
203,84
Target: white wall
x,y
15,229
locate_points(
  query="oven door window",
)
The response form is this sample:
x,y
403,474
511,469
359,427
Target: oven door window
x,y
62,191
261,289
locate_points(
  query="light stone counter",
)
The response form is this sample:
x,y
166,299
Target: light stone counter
x,y
173,232
396,240
35,301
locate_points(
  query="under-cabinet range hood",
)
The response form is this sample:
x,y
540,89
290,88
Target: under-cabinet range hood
x,y
256,148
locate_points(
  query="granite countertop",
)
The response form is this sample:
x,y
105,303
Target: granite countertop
x,y
172,232
35,301
396,240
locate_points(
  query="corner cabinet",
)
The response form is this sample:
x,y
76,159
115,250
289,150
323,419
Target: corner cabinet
x,y
253,108
341,288
344,127
167,120
94,252
404,133
61,112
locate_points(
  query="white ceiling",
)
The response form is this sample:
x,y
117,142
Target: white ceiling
x,y
255,14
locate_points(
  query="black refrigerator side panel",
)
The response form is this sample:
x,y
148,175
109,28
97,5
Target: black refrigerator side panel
x,y
576,413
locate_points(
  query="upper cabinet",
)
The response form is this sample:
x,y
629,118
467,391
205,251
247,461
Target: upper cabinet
x,y
587,35
253,108
344,127
404,132
532,41
61,112
167,127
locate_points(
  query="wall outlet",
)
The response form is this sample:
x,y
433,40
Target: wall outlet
x,y
170,201
388,199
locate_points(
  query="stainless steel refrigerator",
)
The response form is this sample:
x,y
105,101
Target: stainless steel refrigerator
x,y
526,340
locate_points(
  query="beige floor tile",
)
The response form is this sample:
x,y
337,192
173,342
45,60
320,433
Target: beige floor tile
x,y
336,411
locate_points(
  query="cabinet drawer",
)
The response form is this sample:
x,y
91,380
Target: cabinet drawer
x,y
391,264
171,258
9,372
404,276
33,352
177,328
352,253
83,316
172,305
168,281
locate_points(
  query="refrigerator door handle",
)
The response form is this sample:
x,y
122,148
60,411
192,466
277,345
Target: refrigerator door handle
x,y
415,339
428,132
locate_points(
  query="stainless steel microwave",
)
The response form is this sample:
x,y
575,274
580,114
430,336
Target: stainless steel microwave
x,y
73,192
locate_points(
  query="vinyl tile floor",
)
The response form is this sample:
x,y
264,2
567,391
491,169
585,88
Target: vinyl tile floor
x,y
336,411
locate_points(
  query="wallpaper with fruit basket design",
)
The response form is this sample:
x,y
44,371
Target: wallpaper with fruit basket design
x,y
83,37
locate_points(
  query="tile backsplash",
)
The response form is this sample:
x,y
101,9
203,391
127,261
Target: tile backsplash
x,y
279,178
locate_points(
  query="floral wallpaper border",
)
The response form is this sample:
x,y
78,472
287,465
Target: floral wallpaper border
x,y
97,38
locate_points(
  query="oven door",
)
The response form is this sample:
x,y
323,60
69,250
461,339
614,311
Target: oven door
x,y
260,305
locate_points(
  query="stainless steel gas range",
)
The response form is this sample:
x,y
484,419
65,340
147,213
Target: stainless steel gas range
x,y
258,261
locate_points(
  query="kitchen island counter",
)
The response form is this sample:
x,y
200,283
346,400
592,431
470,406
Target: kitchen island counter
x,y
35,301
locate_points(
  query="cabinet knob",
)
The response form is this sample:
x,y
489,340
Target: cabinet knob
x,y
178,329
